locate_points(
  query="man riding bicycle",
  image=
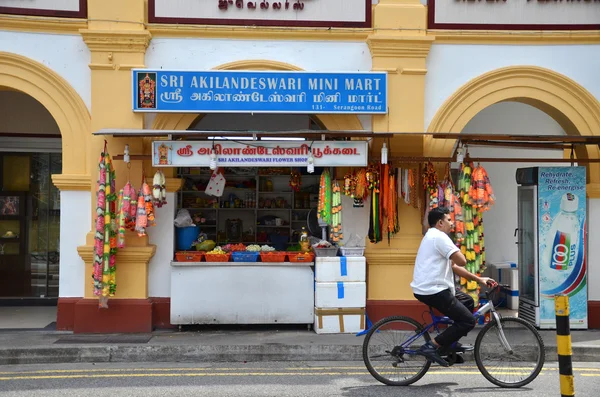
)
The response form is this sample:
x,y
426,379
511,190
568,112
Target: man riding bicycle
x,y
438,259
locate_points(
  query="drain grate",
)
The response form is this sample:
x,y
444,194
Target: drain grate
x,y
105,339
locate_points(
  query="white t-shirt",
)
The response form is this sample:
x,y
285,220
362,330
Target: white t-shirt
x,y
433,270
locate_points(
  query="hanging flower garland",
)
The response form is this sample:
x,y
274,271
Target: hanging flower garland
x,y
105,237
336,234
324,209
361,188
393,225
350,184
145,209
295,180
159,189
373,176
121,220
129,206
482,195
430,184
476,196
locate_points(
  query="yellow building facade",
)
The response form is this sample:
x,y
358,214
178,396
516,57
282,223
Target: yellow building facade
x,y
116,36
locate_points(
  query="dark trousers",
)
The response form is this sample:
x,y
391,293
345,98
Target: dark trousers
x,y
459,308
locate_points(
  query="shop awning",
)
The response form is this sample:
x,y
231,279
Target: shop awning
x,y
562,142
318,134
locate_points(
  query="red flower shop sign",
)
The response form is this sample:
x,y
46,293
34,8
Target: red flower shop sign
x,y
260,153
308,13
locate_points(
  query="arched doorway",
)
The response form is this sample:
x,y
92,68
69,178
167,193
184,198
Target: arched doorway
x,y
46,128
521,100
30,152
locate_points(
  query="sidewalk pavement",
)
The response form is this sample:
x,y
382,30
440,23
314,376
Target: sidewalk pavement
x,y
225,344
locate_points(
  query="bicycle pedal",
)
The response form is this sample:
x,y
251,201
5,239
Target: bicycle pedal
x,y
454,358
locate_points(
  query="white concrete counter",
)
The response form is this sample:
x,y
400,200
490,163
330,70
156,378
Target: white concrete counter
x,y
242,293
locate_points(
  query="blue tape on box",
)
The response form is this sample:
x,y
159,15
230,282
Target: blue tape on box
x,y
340,290
343,266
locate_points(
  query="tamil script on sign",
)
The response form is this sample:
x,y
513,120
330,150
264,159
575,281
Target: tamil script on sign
x,y
259,153
266,92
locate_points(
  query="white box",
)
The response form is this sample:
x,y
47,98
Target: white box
x,y
340,294
332,269
507,273
339,321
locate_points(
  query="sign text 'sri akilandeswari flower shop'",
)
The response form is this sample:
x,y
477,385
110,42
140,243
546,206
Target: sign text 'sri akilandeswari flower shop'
x,y
260,153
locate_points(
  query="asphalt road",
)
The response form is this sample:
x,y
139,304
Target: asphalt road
x,y
276,379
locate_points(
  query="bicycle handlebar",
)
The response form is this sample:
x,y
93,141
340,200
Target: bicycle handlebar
x,y
496,288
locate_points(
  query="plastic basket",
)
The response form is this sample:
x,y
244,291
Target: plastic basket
x,y
189,256
332,251
301,256
244,256
217,257
273,256
352,251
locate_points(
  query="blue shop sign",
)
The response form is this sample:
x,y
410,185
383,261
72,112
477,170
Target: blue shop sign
x,y
259,92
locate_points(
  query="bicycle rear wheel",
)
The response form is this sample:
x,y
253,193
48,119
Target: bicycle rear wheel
x,y
389,351
513,361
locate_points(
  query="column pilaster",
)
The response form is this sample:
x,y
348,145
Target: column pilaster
x,y
117,39
399,46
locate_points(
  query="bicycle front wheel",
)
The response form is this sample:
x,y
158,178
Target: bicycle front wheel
x,y
389,351
510,355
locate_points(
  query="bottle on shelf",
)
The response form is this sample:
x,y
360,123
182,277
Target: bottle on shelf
x,y
304,242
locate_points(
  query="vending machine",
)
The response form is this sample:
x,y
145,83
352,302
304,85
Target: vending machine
x,y
552,237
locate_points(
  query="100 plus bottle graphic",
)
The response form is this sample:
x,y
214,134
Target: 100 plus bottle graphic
x,y
562,240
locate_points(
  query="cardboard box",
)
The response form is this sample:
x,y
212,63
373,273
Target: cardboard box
x,y
333,269
340,294
339,320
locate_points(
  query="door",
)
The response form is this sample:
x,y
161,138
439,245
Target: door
x,y
528,244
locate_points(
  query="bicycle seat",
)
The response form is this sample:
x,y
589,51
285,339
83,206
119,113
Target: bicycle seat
x,y
439,319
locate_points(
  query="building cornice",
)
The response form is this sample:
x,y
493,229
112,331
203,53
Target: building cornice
x,y
42,24
258,33
128,255
78,182
515,37
391,46
131,41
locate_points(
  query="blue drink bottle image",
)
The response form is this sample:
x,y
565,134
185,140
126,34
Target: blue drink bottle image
x,y
562,239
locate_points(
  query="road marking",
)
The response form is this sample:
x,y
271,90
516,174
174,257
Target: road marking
x,y
230,371
179,375
92,370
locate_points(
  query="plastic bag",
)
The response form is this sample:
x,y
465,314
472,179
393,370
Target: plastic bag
x,y
183,219
355,240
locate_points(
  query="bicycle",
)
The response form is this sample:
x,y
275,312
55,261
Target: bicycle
x,y
500,344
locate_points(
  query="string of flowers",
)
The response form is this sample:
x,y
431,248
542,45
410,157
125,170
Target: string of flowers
x,y
105,237
325,193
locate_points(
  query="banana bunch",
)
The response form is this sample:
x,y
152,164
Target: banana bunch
x,y
159,190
